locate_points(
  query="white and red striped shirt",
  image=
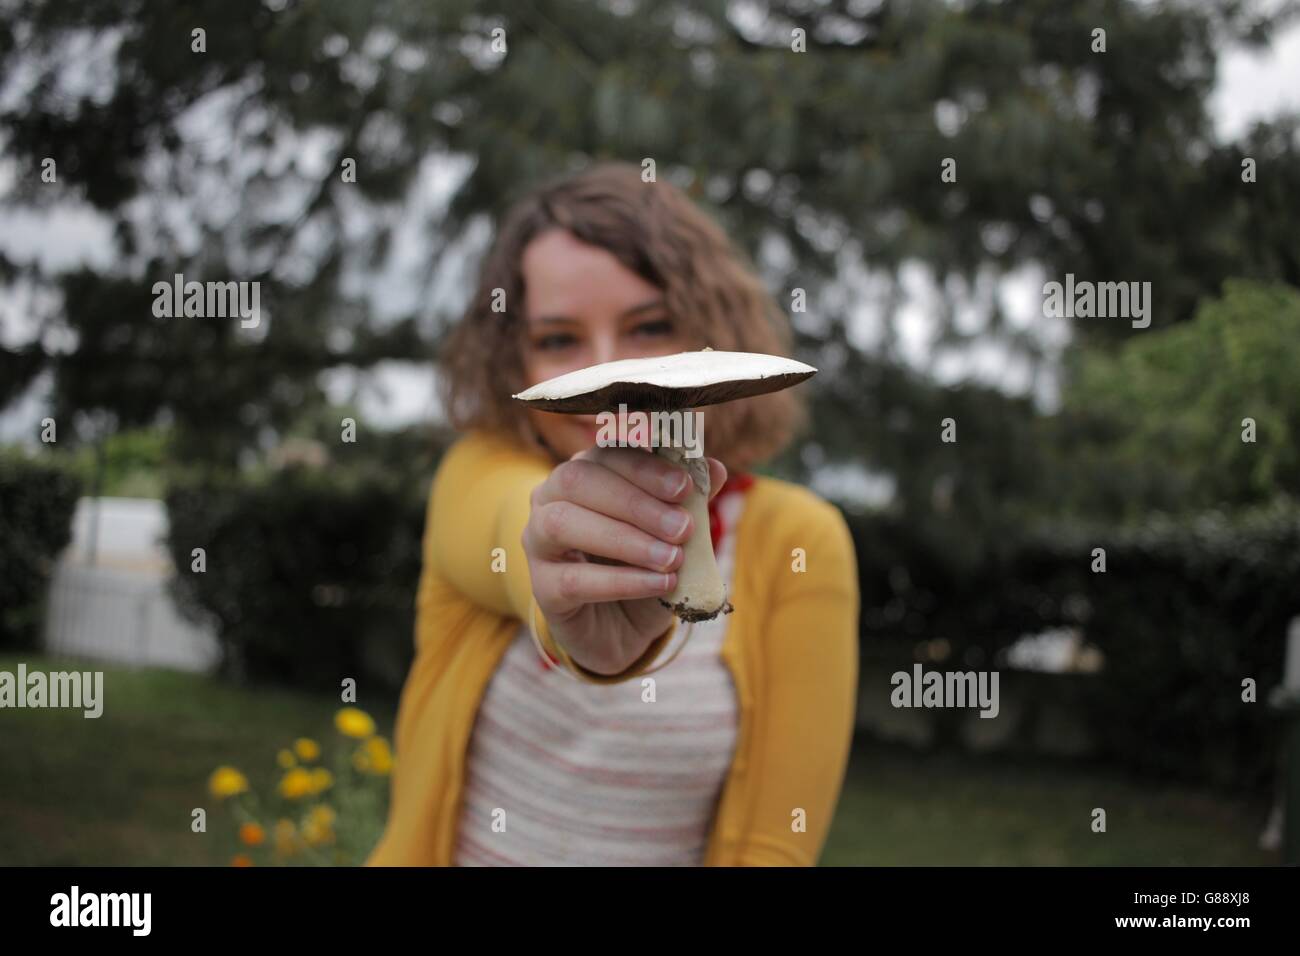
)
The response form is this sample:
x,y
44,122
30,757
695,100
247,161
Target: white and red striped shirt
x,y
588,774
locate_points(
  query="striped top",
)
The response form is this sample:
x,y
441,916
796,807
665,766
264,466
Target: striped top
x,y
580,774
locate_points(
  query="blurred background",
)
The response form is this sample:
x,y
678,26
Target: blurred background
x,y
351,157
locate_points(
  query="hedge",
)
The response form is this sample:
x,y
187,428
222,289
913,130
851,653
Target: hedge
x,y
37,501
1184,612
310,578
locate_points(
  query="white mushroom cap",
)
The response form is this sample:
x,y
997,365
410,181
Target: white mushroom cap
x,y
684,380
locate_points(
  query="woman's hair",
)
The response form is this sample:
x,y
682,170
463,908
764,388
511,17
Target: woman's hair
x,y
713,297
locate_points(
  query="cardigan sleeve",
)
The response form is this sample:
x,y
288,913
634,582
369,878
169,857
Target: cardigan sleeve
x,y
478,507
480,503
808,694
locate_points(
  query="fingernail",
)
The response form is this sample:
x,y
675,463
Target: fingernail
x,y
676,484
674,523
663,554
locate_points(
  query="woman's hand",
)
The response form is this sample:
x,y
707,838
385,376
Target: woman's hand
x,y
603,542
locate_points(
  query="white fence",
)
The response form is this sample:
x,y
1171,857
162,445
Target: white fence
x,y
117,609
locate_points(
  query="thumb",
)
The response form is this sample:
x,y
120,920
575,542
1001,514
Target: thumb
x,y
717,477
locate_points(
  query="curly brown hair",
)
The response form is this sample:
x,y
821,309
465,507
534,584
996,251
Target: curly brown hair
x,y
710,289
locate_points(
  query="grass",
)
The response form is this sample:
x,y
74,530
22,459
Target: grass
x,y
901,808
119,790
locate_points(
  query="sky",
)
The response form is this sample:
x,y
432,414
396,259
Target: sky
x,y
1252,85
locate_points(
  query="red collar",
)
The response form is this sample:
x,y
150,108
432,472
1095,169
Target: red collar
x,y
737,483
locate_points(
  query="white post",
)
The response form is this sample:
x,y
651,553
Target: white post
x,y
1291,667
1287,699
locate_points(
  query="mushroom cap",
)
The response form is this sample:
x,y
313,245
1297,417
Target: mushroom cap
x,y
665,382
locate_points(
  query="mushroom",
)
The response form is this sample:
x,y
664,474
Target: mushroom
x,y
675,384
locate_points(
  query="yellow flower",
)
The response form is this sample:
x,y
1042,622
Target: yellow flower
x,y
251,834
317,833
379,755
323,815
296,783
306,749
321,780
286,760
226,782
353,722
318,826
286,837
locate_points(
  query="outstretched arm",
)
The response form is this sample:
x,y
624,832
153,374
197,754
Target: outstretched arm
x,y
479,503
493,501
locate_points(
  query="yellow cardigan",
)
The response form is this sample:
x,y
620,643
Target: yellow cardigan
x,y
791,646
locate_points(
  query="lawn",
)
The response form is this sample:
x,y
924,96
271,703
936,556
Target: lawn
x,y
899,808
119,790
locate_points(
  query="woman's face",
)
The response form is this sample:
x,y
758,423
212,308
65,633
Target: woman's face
x,y
582,306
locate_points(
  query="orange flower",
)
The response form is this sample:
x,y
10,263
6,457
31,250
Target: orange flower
x,y
241,859
251,834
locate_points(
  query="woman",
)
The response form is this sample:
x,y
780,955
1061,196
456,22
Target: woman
x,y
529,731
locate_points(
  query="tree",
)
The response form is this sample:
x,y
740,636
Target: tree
x,y
1203,415
820,163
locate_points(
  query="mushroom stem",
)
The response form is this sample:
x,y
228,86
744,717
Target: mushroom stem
x,y
700,594
675,383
